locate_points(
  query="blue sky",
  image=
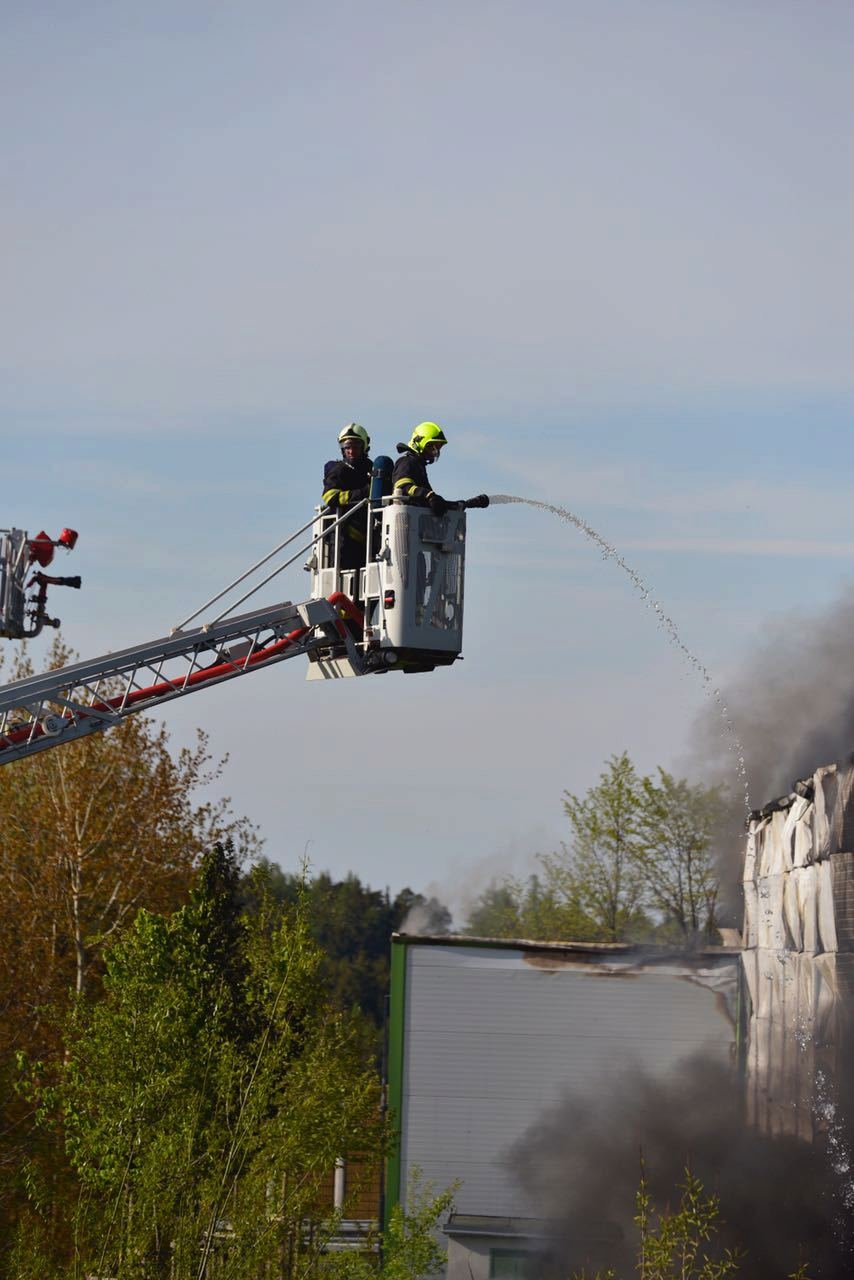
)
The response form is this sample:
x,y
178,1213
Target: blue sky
x,y
607,245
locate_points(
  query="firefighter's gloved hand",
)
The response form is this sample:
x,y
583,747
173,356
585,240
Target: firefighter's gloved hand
x,y
481,500
437,505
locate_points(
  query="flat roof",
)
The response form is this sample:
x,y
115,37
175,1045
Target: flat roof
x,y
638,949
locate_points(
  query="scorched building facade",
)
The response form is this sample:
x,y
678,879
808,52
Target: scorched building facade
x,y
486,1035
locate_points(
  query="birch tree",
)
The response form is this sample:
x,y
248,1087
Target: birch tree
x,y
602,868
89,832
639,864
680,819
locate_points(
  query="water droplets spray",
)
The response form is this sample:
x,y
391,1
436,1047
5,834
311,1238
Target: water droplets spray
x,y
839,1153
662,618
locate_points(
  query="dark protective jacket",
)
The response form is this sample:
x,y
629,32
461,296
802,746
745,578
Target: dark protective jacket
x,y
409,477
345,485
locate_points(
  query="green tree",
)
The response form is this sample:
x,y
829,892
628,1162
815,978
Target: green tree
x,y
674,1245
352,925
205,1098
680,1244
639,864
90,833
498,911
539,907
410,1248
603,868
680,820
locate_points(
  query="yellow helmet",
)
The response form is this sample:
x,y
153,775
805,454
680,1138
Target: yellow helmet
x,y
353,431
427,433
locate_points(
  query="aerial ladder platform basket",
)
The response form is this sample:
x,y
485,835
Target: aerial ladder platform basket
x,y
401,610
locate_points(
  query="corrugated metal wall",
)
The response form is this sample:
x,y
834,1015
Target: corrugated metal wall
x,y
494,1036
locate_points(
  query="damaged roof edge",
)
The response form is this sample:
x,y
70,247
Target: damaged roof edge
x,y
802,789
576,948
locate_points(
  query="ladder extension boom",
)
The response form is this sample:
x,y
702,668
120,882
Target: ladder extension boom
x,y
410,589
44,710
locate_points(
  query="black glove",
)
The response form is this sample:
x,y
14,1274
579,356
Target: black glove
x,y
356,495
481,500
437,505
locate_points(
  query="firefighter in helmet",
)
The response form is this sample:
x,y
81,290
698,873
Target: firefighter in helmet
x,y
409,479
346,481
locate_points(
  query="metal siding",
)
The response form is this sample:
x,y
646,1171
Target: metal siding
x,y
492,1039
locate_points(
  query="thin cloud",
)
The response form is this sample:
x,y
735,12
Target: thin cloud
x,y
743,546
634,487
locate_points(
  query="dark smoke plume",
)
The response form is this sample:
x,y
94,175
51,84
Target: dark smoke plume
x,y
781,1199
793,709
793,702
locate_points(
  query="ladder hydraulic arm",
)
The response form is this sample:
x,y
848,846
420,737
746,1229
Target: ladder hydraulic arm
x,y
409,619
55,707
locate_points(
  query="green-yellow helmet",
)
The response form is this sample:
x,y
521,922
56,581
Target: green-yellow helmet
x,y
426,433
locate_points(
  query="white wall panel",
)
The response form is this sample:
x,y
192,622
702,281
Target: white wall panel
x,y
494,1037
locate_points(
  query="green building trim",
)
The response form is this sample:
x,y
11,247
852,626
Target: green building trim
x,y
396,1018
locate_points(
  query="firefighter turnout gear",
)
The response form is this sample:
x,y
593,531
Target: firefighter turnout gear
x,y
345,484
409,479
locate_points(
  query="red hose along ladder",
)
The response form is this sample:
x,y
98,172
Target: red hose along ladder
x,y
42,711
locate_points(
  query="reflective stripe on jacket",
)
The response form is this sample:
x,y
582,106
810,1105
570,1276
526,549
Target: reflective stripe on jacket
x,y
345,485
410,477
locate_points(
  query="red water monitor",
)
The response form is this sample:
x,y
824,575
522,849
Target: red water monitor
x,y
22,616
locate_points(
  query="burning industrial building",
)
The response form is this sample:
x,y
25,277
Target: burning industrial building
x,y
536,1074
798,956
